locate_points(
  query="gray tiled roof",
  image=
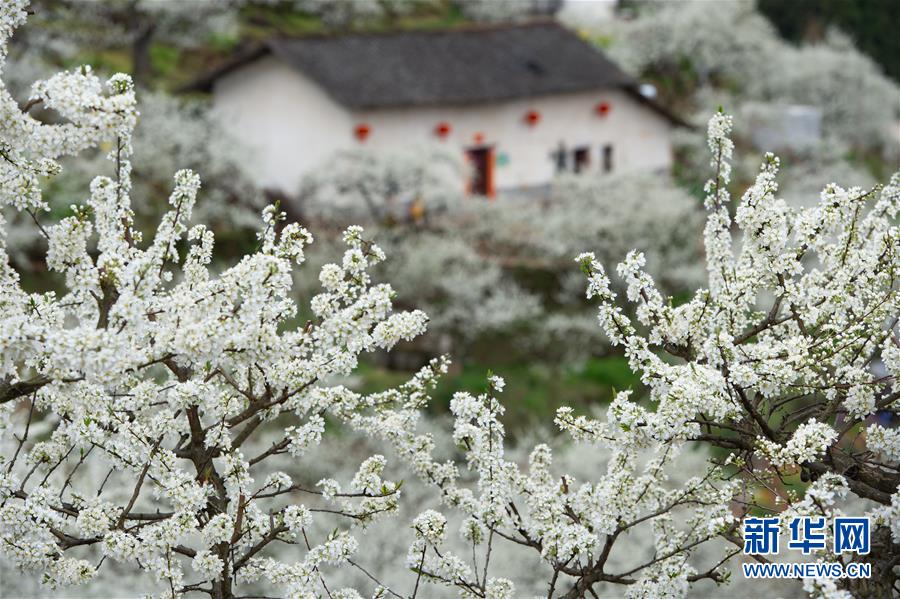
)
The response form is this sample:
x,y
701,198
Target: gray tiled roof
x,y
450,67
457,66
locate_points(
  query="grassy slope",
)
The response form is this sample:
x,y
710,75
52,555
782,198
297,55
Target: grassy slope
x,y
533,391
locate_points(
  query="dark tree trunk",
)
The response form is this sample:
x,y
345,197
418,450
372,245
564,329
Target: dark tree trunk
x,y
883,557
141,65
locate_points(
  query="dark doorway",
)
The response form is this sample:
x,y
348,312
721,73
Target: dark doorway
x,y
581,159
481,161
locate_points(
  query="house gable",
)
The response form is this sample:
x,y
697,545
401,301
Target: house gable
x,y
288,122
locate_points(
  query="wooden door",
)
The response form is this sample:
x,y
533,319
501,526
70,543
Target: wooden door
x,y
481,161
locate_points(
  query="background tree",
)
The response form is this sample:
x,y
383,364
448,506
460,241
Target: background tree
x,y
136,24
868,23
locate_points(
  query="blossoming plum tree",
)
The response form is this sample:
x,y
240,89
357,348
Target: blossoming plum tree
x,y
148,373
384,186
184,387
789,353
782,362
183,135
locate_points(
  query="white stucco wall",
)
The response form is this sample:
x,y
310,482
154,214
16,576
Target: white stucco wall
x,y
288,123
639,136
292,125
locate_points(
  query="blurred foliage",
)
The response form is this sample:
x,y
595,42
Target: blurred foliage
x,y
286,18
165,59
871,23
534,391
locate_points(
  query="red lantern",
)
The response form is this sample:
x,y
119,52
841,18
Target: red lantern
x,y
532,117
602,109
362,131
442,129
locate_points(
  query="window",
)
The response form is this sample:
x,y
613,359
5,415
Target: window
x,y
606,153
581,159
481,161
560,158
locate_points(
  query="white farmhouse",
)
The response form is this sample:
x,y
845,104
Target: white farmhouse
x,y
523,102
